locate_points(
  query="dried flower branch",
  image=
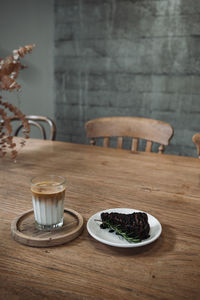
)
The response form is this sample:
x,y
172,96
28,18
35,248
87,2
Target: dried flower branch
x,y
9,71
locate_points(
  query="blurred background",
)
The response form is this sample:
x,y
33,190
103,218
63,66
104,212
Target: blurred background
x,y
96,58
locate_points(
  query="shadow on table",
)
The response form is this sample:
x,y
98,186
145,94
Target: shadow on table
x,y
164,244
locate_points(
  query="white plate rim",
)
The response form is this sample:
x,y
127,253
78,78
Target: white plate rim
x,y
125,244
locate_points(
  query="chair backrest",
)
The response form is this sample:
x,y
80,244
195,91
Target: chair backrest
x,y
38,121
196,141
133,127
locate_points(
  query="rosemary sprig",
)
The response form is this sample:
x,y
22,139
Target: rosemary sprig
x,y
118,231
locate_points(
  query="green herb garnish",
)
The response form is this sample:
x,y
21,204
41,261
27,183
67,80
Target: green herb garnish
x,y
118,231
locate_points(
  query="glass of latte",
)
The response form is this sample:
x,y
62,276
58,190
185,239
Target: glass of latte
x,y
48,193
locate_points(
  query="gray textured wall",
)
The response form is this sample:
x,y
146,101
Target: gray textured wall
x,y
123,57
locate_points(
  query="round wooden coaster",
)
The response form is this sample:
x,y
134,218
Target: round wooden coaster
x,y
23,230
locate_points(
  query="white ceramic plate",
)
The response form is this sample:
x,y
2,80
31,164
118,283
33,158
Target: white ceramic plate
x,y
106,237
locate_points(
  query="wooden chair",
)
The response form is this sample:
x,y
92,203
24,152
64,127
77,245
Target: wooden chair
x,y
196,141
38,121
136,128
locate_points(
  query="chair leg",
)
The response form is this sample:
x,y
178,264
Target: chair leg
x,y
161,149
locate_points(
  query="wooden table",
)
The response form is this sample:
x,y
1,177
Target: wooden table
x,y
168,187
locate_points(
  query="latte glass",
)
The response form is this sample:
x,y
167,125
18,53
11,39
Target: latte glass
x,y
48,193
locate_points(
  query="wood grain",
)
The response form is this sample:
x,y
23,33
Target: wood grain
x,y
99,178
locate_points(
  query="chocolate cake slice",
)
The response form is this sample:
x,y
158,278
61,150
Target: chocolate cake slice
x,y
133,227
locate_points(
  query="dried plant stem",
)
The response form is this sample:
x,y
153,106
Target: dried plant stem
x,y
9,70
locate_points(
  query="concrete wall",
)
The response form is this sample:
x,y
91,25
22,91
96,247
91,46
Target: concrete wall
x,y
123,57
26,22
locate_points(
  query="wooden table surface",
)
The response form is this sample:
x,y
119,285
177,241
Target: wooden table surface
x,y
166,186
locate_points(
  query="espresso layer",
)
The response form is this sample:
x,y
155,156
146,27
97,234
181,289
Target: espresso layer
x,y
48,191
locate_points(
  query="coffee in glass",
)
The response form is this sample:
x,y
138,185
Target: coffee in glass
x,y
48,193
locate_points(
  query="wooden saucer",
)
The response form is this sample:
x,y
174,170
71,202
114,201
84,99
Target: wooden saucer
x,y
23,230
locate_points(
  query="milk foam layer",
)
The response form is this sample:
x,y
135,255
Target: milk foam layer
x,y
48,203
